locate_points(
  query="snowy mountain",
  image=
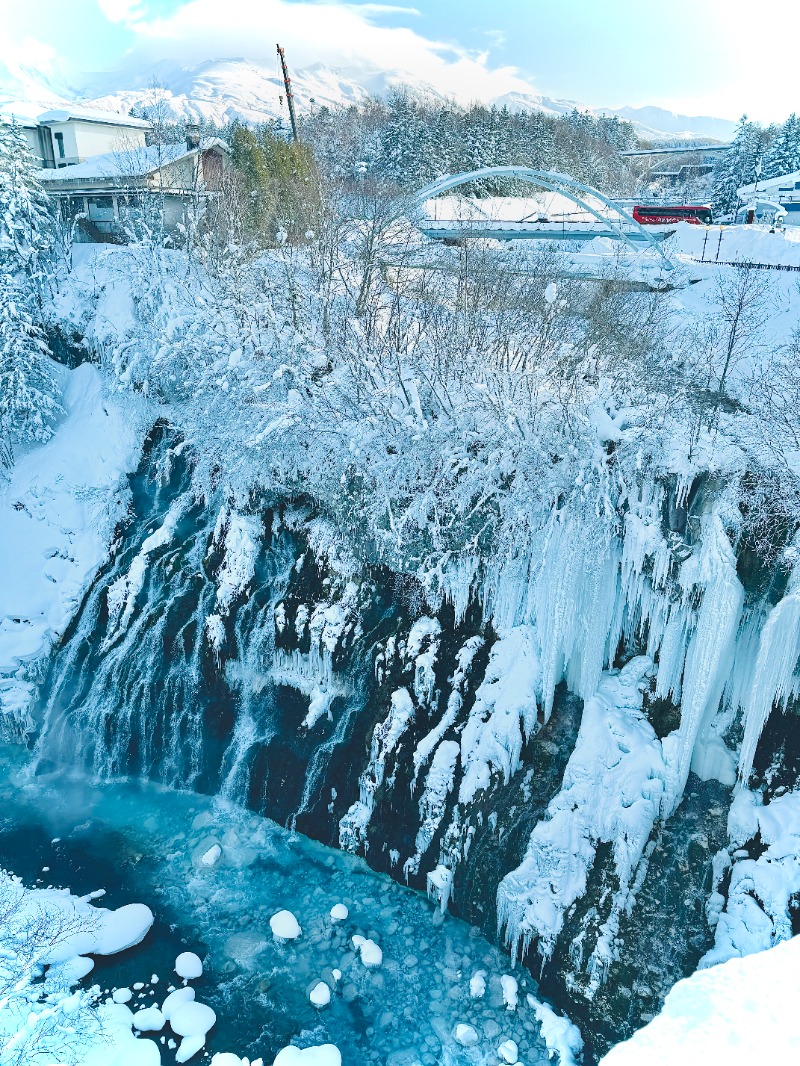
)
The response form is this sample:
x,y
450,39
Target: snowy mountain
x,y
221,90
28,83
656,122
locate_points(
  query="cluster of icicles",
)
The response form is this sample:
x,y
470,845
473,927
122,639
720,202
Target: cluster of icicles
x,y
717,655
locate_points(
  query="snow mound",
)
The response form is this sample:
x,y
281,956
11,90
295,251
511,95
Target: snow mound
x,y
192,1019
175,1000
741,1012
148,1020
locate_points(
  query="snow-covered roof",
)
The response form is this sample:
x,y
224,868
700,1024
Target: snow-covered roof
x,y
91,114
127,163
789,180
26,113
21,113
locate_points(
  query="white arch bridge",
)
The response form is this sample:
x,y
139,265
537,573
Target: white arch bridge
x,y
608,218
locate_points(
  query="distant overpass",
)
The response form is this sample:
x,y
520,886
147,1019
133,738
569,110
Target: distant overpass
x,y
677,151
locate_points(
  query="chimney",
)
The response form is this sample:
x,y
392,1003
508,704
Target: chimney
x,y
192,136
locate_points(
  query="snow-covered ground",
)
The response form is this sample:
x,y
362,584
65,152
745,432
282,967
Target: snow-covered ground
x,y
46,939
739,1013
58,510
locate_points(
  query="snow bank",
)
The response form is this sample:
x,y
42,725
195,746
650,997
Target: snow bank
x,y
750,244
44,938
57,514
739,1013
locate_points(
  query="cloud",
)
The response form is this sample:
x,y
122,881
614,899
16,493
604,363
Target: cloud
x,y
125,11
342,35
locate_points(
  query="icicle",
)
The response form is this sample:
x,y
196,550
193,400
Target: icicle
x,y
710,655
774,680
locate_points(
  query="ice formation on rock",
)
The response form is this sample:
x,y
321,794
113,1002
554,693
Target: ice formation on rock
x,y
612,792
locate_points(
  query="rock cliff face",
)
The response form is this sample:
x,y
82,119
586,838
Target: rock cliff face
x,y
558,771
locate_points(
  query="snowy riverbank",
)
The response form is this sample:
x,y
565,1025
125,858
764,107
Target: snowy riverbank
x,y
58,511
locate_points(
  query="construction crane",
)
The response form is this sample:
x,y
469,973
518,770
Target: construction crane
x,y
287,81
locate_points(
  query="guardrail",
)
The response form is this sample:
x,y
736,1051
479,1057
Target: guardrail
x,y
742,263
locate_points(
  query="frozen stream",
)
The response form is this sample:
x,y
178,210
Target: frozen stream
x,y
144,843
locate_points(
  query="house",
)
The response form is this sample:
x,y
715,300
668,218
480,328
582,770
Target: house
x,y
70,135
783,191
105,193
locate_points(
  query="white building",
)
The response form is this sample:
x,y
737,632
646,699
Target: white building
x,y
70,135
783,191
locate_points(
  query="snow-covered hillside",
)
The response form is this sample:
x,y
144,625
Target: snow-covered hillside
x,y
57,515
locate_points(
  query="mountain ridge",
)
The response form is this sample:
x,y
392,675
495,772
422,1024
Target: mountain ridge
x,y
221,90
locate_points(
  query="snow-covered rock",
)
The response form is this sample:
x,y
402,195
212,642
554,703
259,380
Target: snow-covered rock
x,y
285,926
466,1035
509,1052
188,965
320,995
321,1055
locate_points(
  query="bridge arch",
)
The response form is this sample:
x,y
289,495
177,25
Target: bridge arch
x,y
560,183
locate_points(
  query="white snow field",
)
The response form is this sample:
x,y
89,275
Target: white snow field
x,y
739,1013
58,510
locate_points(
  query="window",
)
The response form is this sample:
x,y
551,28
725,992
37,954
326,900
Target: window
x,y
59,138
101,208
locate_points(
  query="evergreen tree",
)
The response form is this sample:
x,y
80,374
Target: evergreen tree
x,y
783,155
27,232
28,386
738,166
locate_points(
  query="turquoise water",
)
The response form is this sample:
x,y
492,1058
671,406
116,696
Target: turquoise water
x,y
143,843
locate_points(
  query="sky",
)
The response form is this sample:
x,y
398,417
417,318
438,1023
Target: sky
x,y
697,57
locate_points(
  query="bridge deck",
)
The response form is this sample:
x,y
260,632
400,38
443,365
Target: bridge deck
x,y
441,229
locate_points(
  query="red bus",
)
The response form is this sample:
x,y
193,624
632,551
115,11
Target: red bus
x,y
669,214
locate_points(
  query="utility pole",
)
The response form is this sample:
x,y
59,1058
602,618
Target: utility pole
x,y
287,81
